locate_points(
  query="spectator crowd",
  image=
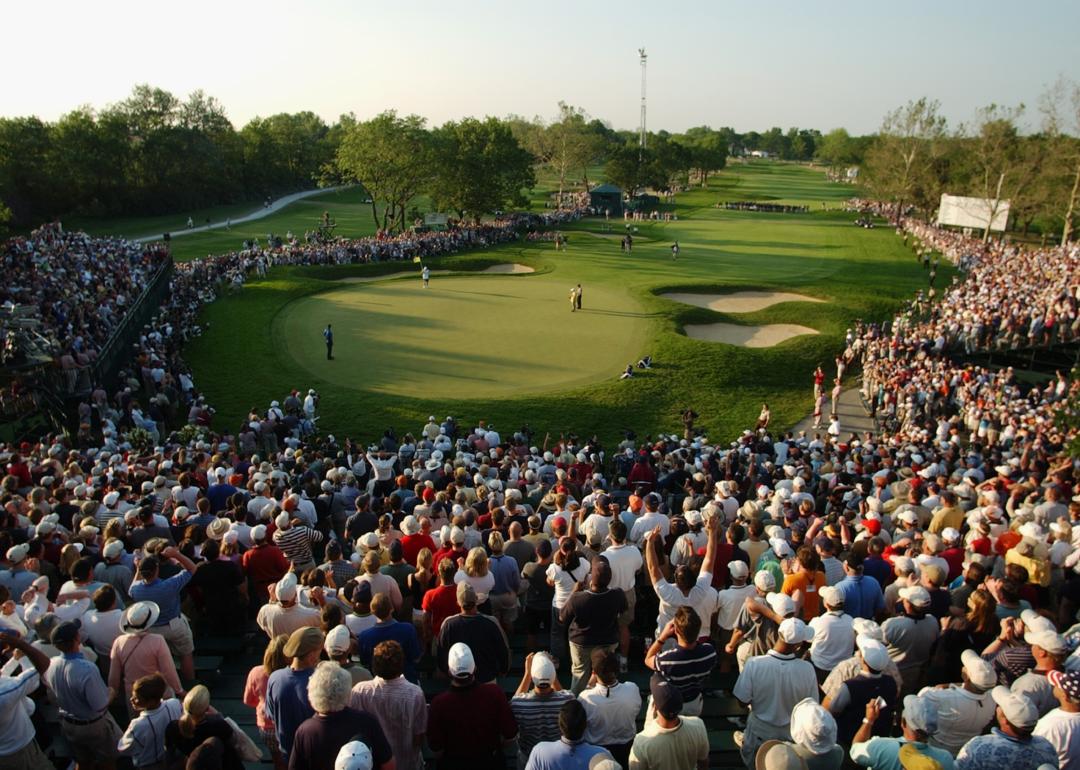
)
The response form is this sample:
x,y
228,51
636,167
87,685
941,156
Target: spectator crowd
x,y
457,596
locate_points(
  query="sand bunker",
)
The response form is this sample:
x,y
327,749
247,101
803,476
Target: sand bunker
x,y
740,301
746,336
504,269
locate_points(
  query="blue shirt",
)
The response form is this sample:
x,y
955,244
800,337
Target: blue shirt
x,y
998,750
562,755
402,633
884,754
507,577
17,581
862,596
287,703
219,495
78,687
164,593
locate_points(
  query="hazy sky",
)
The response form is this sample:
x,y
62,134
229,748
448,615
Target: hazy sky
x,y
748,65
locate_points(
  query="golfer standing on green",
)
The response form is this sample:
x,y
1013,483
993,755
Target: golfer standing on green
x,y
328,335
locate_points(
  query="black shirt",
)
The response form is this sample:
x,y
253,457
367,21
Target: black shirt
x,y
593,617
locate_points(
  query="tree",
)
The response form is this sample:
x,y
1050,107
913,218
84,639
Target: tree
x,y
902,161
836,149
1061,117
479,167
1003,165
708,150
569,143
392,158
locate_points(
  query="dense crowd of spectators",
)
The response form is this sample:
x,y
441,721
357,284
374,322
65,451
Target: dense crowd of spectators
x,y
768,208
902,598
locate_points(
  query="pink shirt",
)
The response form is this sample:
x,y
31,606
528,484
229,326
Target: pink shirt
x,y
255,696
138,655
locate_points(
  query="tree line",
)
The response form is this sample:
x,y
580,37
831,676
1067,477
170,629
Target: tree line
x,y
916,157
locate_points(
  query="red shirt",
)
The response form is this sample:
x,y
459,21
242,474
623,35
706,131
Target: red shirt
x,y
470,723
412,545
441,602
453,554
264,564
955,557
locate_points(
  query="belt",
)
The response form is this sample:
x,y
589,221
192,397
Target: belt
x,y
81,722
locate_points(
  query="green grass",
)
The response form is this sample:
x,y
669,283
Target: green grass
x,y
137,227
252,351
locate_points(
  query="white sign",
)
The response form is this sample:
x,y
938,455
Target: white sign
x,y
973,212
434,220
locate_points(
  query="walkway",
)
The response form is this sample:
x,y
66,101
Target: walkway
x,y
853,418
259,213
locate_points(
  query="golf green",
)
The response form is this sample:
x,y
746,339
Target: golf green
x,y
469,336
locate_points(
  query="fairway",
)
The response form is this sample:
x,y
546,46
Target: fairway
x,y
506,347
464,337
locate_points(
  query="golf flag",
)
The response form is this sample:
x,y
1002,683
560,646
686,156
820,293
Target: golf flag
x,y
416,260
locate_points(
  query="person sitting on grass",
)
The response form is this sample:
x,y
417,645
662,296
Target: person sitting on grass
x,y
627,373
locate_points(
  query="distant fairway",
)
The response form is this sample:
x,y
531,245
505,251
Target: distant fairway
x,y
395,337
506,348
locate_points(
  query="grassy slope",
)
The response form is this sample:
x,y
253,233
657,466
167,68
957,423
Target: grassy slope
x,y
864,274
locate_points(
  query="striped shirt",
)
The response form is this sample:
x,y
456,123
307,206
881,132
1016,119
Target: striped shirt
x,y
296,543
537,717
401,709
687,669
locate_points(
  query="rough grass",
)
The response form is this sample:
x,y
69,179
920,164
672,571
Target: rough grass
x,y
241,362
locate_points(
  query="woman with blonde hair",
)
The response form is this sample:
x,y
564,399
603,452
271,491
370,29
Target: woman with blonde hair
x,y
255,695
199,723
475,572
977,628
418,584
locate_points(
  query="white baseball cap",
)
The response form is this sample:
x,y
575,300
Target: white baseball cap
x,y
917,595
460,661
542,670
338,641
794,631
782,604
1017,707
764,580
979,671
873,652
354,755
813,726
286,587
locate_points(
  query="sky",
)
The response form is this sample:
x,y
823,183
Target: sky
x,y
751,66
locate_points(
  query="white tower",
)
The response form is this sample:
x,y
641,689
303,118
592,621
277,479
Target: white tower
x,y
641,140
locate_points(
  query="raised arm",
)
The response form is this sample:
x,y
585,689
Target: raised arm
x,y
652,565
713,527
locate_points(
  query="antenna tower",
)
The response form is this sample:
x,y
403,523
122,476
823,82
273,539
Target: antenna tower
x,y
641,139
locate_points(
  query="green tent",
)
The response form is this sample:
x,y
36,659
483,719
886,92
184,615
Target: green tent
x,y
606,197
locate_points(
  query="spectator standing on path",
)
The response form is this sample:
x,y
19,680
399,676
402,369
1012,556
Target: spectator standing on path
x,y
328,336
165,593
536,704
669,741
287,703
470,724
397,703
570,750
612,707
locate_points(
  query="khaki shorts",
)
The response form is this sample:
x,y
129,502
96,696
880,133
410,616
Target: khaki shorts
x,y
94,742
177,633
504,607
626,617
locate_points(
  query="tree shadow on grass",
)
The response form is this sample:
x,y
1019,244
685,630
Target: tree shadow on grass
x,y
624,313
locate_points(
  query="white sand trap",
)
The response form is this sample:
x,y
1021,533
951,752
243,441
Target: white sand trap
x,y
740,301
507,268
504,269
746,336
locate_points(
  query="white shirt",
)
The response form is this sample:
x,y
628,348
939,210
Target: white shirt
x,y
702,598
101,629
625,561
961,716
596,527
773,683
729,602
647,523
834,639
1062,729
612,713
564,581
144,740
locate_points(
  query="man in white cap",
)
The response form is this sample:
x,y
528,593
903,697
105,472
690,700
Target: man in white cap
x,y
770,685
853,665
910,636
536,704
729,602
1012,743
1049,649
918,721
755,632
284,614
1061,726
338,645
848,701
354,755
964,709
834,634
17,578
813,734
113,571
470,724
